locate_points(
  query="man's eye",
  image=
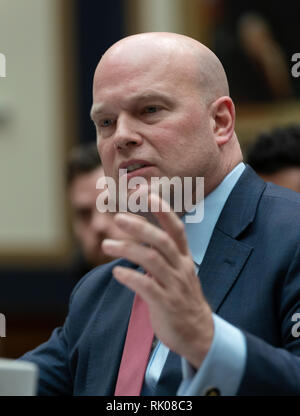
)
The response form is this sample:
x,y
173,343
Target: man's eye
x,y
106,122
151,109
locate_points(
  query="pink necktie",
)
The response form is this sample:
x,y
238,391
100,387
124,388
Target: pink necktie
x,y
136,350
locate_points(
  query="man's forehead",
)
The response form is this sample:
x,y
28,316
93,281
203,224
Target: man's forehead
x,y
120,73
140,81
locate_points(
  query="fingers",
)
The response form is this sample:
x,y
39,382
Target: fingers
x,y
140,283
157,250
147,257
170,222
147,233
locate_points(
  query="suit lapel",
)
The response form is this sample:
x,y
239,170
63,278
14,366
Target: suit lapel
x,y
227,254
223,262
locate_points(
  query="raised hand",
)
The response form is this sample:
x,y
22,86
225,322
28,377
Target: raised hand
x,y
180,315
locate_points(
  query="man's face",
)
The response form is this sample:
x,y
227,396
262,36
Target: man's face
x,y
90,226
150,115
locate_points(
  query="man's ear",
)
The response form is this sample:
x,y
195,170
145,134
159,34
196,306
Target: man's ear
x,y
223,115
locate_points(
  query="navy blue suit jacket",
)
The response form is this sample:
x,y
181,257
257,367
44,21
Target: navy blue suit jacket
x,y
250,276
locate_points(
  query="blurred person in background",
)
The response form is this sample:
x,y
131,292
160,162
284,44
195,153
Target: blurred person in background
x,y
90,227
275,156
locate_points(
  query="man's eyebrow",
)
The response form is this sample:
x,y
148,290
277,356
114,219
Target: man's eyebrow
x,y
96,108
139,97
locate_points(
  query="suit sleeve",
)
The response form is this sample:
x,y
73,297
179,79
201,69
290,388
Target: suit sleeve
x,y
273,370
259,368
51,358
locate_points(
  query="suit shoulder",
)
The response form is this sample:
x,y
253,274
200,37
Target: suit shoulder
x,y
278,215
282,198
280,192
93,285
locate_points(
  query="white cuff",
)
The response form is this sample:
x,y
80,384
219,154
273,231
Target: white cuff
x,y
223,367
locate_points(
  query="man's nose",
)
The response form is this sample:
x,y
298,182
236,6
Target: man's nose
x,y
126,134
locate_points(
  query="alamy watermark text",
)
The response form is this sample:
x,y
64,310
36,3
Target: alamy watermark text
x,y
2,66
183,195
2,326
296,66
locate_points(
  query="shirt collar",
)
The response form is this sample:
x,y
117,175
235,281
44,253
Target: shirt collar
x,y
199,233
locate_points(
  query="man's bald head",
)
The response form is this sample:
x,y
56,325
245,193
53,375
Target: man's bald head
x,y
180,52
164,98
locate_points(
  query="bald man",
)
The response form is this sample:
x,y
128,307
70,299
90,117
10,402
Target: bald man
x,y
221,294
